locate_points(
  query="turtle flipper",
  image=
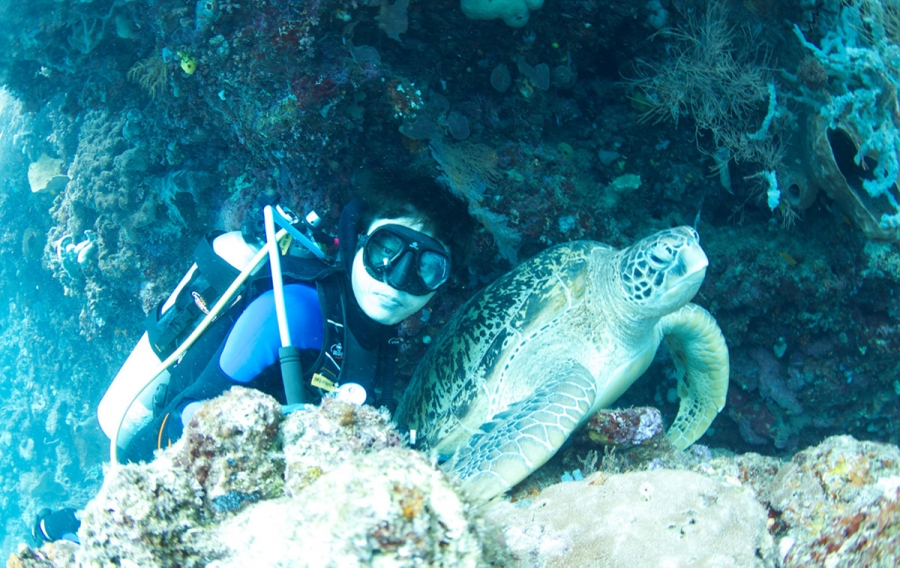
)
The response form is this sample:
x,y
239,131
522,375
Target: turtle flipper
x,y
521,439
701,356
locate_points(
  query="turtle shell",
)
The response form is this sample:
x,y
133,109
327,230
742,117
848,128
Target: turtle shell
x,y
483,359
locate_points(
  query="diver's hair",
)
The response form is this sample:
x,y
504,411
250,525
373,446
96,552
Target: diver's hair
x,y
396,193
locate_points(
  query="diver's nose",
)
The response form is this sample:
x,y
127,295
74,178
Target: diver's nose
x,y
400,270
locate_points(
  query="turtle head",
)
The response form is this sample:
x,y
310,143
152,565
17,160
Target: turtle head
x,y
661,273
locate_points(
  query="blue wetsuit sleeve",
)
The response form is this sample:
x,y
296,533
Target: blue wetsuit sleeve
x,y
253,342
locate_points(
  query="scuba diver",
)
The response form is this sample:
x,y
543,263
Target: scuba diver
x,y
395,242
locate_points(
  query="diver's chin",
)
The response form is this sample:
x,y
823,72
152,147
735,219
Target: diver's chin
x,y
385,317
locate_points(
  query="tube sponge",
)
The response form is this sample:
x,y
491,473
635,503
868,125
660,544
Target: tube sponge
x,y
514,12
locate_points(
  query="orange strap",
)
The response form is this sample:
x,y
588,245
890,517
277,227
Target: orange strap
x,y
161,428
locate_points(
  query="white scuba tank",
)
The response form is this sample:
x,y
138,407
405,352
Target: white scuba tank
x,y
234,250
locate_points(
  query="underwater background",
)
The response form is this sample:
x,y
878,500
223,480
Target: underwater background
x,y
129,129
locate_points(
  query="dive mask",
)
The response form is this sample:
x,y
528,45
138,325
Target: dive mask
x,y
405,259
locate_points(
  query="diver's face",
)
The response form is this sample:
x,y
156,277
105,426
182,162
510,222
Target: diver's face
x,y
379,300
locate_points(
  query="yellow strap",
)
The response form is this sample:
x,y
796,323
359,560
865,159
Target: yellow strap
x,y
323,383
285,244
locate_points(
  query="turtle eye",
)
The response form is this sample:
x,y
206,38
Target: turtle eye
x,y
661,254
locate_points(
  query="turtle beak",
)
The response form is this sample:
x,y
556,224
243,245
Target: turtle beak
x,y
694,260
688,276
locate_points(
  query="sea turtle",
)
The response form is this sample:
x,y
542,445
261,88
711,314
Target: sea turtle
x,y
531,357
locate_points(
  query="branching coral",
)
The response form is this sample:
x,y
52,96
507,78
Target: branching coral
x,y
87,33
151,74
716,82
88,30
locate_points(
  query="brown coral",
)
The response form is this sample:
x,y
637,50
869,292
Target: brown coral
x,y
152,74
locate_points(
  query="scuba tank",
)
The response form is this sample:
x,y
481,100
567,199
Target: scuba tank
x,y
129,381
130,401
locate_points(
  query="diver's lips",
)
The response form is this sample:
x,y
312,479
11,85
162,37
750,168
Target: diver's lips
x,y
388,301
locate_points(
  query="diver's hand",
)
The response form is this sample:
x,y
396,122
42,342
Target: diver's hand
x,y
189,411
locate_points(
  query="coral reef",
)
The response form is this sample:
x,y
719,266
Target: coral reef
x,y
837,504
147,515
391,506
170,118
833,504
859,60
315,447
50,449
623,427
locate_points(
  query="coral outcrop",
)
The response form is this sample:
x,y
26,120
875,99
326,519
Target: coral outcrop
x,y
836,504
146,515
247,485
392,507
293,100
648,518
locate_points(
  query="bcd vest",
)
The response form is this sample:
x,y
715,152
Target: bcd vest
x,y
344,357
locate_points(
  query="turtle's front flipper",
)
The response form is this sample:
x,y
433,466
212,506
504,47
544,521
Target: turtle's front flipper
x,y
521,439
701,356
